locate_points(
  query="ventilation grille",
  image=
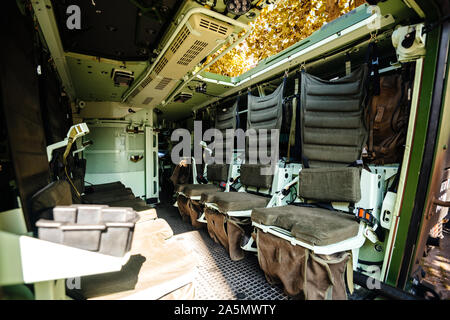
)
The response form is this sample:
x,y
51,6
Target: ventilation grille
x,y
147,100
184,33
133,94
193,51
213,27
146,81
160,65
164,82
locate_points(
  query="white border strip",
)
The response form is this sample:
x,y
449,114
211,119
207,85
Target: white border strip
x,y
349,244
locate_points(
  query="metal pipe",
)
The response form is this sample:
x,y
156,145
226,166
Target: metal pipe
x,y
441,203
186,17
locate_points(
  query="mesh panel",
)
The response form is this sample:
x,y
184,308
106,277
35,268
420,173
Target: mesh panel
x,y
333,130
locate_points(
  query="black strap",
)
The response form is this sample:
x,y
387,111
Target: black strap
x,y
430,26
305,162
201,179
351,207
237,111
283,101
394,185
291,97
356,163
297,154
373,64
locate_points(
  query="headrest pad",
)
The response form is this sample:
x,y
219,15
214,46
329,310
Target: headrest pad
x,y
330,184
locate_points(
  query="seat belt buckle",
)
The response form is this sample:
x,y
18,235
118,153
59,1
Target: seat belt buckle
x,y
366,216
223,184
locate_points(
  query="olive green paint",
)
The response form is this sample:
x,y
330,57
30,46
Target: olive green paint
x,y
417,150
91,76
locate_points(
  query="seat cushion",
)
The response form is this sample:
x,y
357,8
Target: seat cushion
x,y
137,204
192,190
105,187
330,184
314,226
105,197
251,175
217,172
236,201
208,196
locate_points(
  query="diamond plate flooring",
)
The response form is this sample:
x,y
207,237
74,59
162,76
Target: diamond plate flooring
x,y
220,278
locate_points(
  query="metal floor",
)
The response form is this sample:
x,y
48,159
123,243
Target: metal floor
x,y
220,278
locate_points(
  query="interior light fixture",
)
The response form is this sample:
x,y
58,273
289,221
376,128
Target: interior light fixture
x,y
238,7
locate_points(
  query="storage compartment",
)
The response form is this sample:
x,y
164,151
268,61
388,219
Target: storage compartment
x,y
104,229
190,210
227,231
303,273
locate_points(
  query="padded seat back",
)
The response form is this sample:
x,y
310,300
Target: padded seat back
x,y
226,118
333,135
218,172
330,184
263,113
333,131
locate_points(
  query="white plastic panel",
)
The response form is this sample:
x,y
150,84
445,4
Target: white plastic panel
x,y
108,158
43,260
151,164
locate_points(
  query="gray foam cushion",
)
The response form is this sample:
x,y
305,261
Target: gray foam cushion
x,y
333,131
217,172
314,226
235,201
330,184
266,112
226,117
251,176
192,190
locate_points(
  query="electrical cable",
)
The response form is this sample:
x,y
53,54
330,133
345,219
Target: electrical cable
x,y
66,154
70,180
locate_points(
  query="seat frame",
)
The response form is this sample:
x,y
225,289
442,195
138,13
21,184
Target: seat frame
x,y
354,243
232,173
275,201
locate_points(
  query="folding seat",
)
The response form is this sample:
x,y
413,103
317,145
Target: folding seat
x,y
114,194
309,246
217,173
228,213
